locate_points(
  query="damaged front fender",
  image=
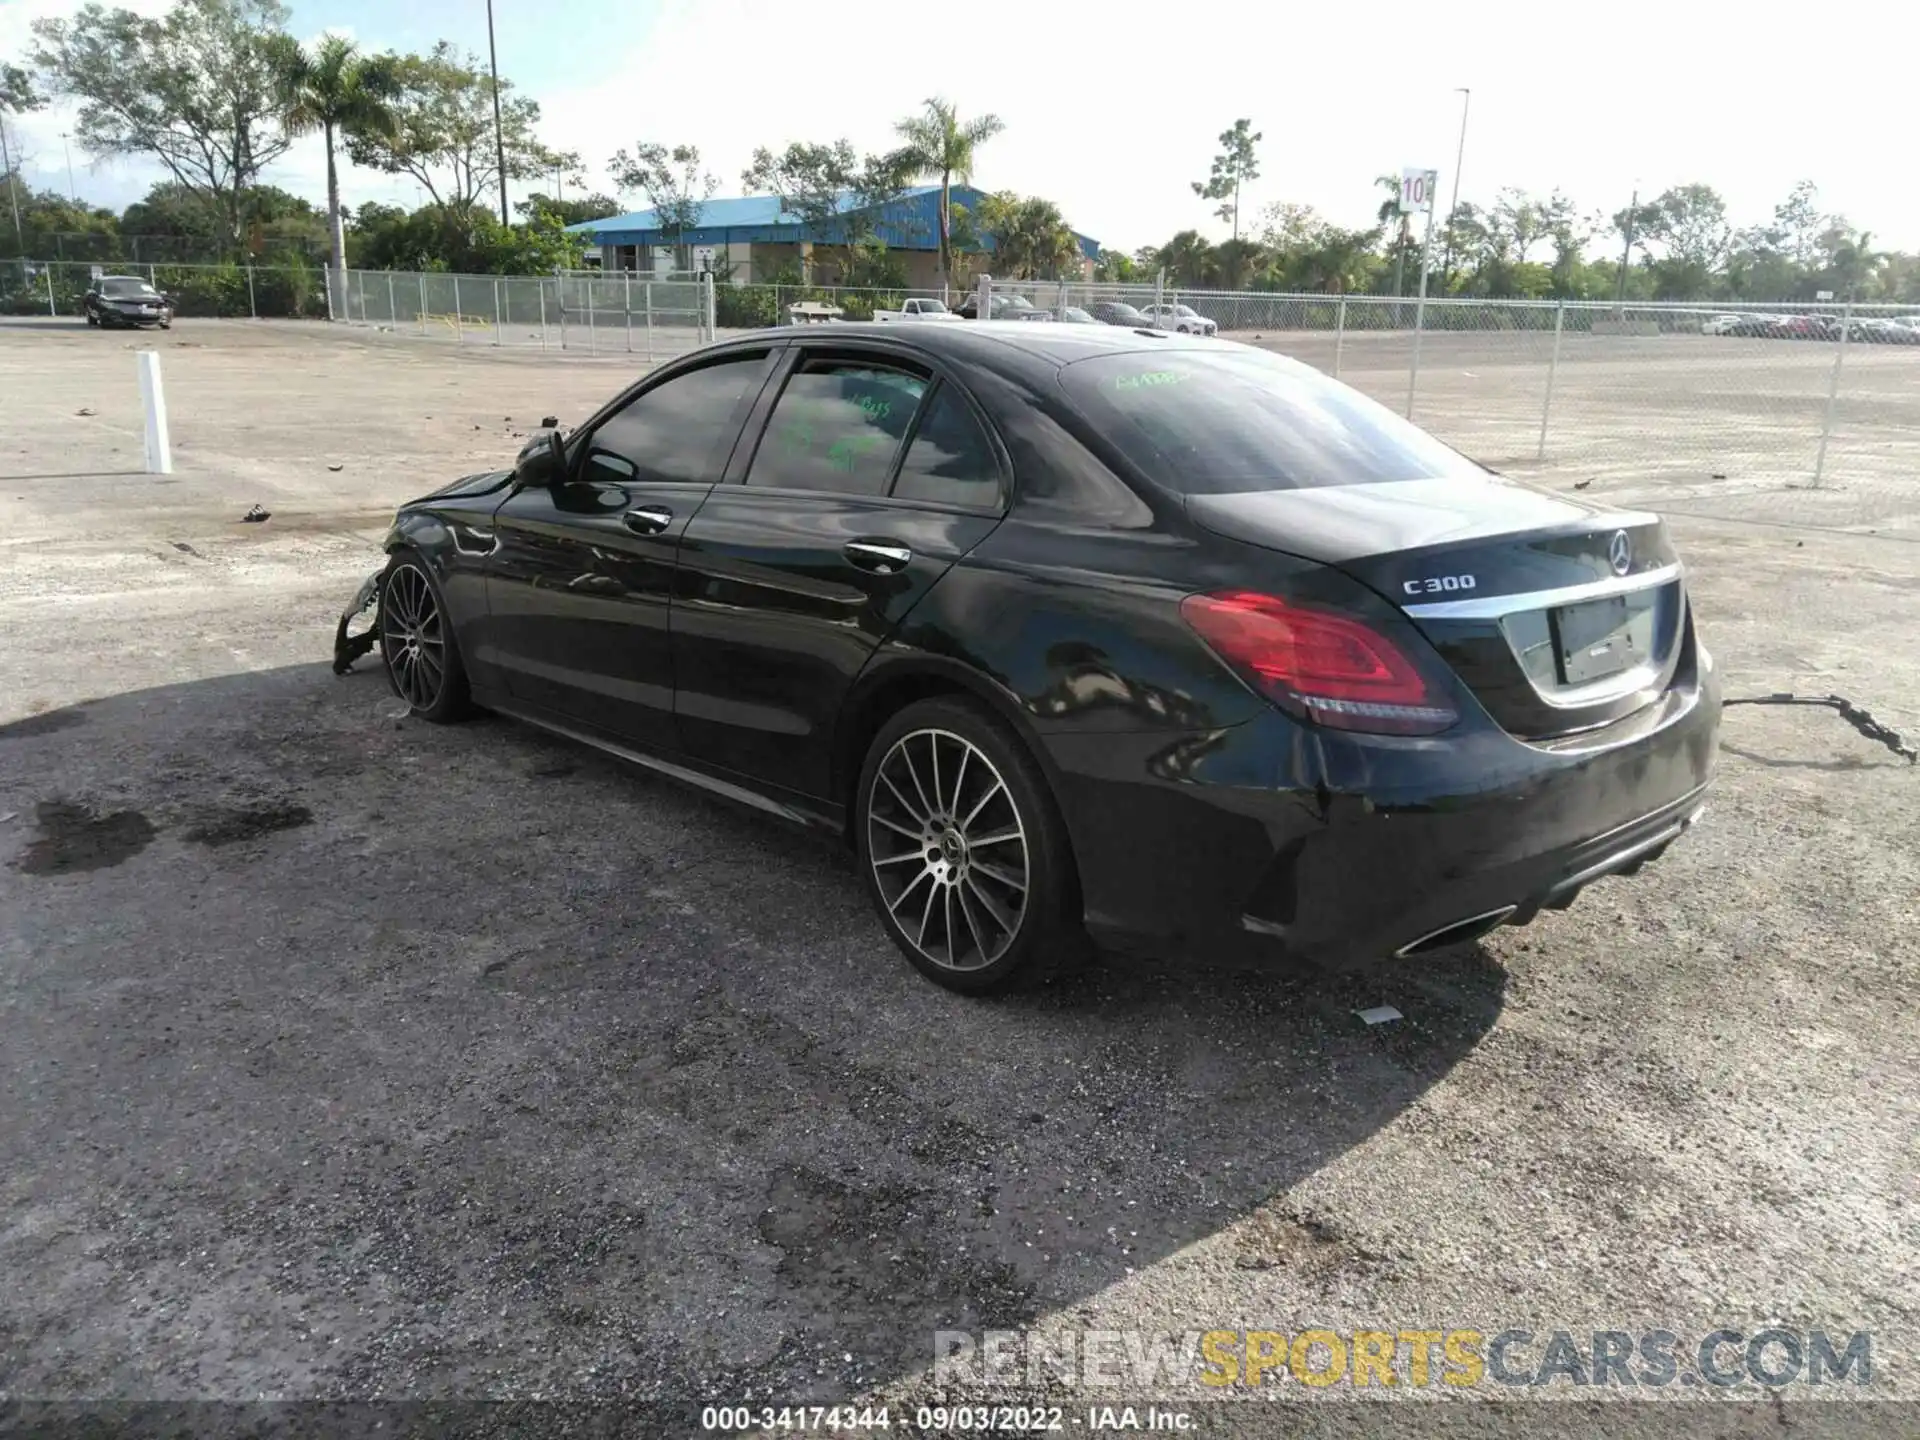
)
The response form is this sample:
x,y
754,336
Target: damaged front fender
x,y
359,628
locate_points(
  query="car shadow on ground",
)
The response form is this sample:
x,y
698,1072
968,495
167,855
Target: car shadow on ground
x,y
445,1059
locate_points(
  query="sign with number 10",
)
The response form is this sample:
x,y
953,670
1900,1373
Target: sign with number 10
x,y
1416,190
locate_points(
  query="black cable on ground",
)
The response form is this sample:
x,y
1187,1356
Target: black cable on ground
x,y
1861,720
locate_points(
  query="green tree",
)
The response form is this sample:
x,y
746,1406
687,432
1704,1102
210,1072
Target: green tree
x,y
339,92
1853,265
937,143
18,94
1031,240
810,181
1187,258
839,198
567,212
442,133
1116,268
198,89
673,182
436,238
1690,223
1233,166
173,222
55,227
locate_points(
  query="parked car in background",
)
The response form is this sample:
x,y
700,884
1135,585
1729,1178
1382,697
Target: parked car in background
x,y
1118,312
1074,315
1806,327
126,300
1723,324
1271,672
917,309
1004,307
1884,332
1181,319
1752,326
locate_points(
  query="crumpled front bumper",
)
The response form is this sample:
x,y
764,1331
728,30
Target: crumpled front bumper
x,y
350,641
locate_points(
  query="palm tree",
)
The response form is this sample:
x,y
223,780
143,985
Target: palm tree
x,y
337,91
938,144
1855,263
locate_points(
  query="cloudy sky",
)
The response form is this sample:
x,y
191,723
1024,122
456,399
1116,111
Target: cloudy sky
x,y
1114,129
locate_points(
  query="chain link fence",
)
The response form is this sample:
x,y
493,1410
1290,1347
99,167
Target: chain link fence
x,y
292,291
592,313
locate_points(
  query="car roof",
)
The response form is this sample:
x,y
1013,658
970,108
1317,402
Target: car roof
x,y
990,341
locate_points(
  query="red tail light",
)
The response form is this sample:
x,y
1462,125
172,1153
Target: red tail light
x,y
1331,668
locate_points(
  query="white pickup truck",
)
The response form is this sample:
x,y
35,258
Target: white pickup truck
x,y
917,310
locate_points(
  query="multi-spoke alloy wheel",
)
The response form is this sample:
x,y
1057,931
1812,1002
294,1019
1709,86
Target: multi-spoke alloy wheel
x,y
413,638
949,849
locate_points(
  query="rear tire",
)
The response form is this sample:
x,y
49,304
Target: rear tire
x,y
417,643
963,849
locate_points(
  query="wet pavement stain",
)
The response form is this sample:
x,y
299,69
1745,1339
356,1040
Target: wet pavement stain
x,y
73,838
230,827
43,724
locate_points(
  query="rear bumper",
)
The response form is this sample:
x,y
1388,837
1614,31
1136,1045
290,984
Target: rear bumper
x,y
1277,841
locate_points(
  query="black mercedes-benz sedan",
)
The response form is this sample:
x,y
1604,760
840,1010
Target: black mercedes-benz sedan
x,y
1078,631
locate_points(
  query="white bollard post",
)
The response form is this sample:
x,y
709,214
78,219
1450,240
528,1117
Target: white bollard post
x,y
159,448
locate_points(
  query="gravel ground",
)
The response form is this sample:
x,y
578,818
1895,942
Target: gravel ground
x,y
350,1056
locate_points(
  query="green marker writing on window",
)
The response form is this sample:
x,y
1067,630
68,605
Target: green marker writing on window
x,y
1148,379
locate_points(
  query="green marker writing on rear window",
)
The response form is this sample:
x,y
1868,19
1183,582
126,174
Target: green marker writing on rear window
x,y
1148,379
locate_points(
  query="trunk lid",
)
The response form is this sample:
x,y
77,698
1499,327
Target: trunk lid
x,y
1558,615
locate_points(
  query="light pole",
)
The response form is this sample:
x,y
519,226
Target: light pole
x,y
1459,159
499,141
73,191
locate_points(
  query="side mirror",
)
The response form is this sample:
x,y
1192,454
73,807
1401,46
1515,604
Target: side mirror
x,y
541,461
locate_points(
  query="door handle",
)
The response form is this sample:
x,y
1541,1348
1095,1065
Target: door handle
x,y
881,558
647,519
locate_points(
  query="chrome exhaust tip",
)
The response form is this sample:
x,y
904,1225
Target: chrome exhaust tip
x,y
1458,933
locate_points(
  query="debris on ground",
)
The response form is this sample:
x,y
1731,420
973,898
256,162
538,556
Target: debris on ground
x,y
1379,1014
336,467
255,516
1856,716
1581,484
86,410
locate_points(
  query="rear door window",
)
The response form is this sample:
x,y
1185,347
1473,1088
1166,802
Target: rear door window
x,y
837,427
949,460
1214,422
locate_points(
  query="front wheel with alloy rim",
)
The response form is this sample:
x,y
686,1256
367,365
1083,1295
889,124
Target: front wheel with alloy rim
x,y
963,849
417,642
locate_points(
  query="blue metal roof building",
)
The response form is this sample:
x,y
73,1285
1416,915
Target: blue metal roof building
x,y
910,223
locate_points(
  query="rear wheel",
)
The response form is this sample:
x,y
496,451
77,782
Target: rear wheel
x,y
417,642
963,850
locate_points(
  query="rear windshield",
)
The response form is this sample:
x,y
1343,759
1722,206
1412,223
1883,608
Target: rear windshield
x,y
1212,422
